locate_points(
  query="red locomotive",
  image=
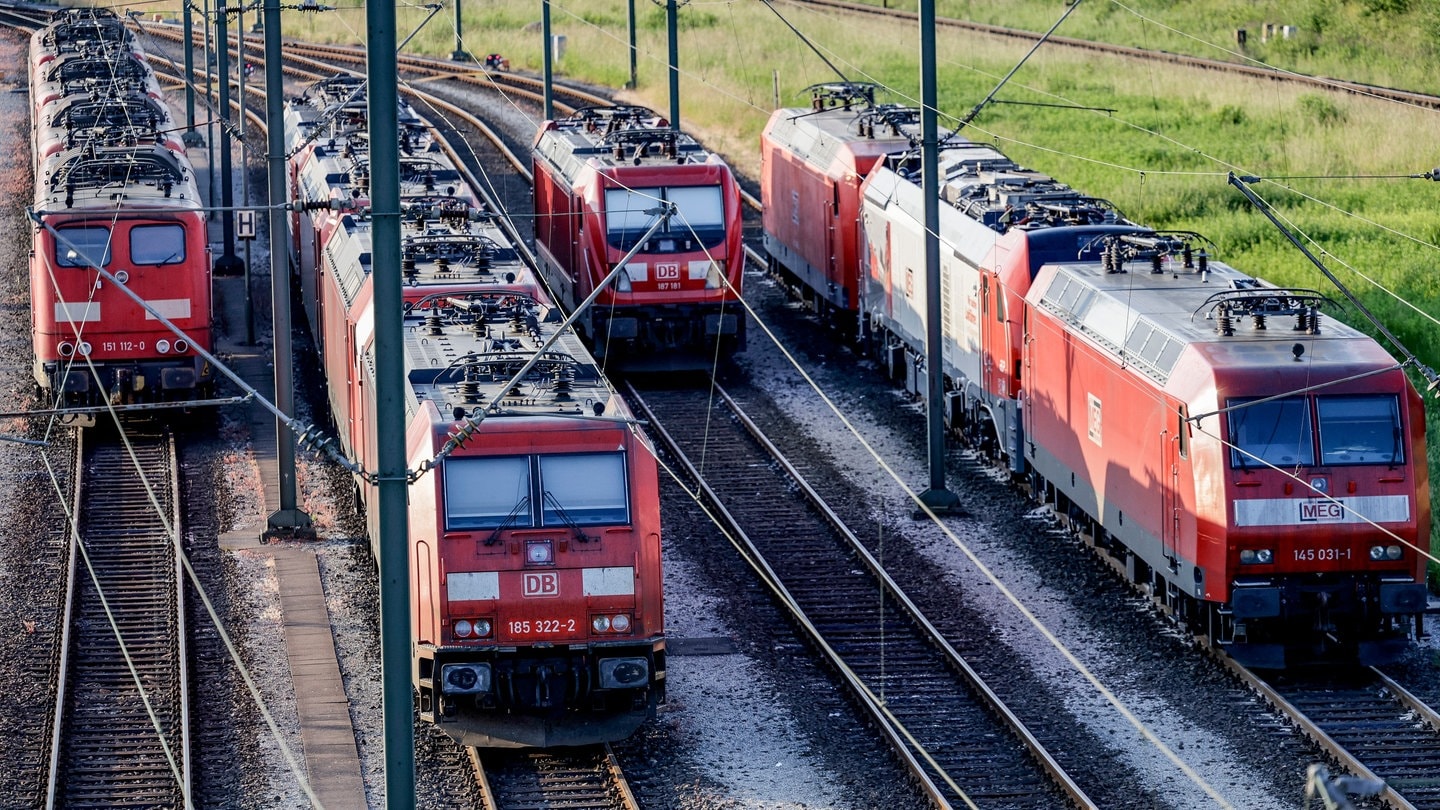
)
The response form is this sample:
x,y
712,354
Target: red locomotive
x,y
536,544
601,176
1263,474
812,162
112,189
535,537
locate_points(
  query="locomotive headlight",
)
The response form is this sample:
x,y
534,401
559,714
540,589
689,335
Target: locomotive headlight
x,y
1377,552
471,628
622,282
1263,556
621,623
181,346
601,624
464,679
1393,552
66,349
623,673
84,348
714,280
121,276
162,346
539,552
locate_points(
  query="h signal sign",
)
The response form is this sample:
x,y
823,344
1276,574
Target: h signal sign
x,y
245,224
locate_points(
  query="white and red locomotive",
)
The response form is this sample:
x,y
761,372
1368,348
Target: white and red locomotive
x,y
118,190
1262,473
601,176
535,538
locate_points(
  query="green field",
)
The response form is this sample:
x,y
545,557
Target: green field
x,y
1155,140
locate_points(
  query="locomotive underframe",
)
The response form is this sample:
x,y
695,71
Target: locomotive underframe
x,y
811,285
664,337
539,696
127,383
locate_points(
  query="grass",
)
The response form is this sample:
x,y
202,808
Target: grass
x,y
1161,155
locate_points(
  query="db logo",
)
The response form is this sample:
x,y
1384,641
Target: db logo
x,y
543,584
667,272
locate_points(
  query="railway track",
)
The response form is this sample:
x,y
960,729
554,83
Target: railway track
x,y
121,734
957,737
1368,722
587,778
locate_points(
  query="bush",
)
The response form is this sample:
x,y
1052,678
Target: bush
x,y
1321,110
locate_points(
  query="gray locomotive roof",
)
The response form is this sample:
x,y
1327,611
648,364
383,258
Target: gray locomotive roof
x,y
822,137
1147,319
451,252
348,252
146,176
989,188
457,365
570,147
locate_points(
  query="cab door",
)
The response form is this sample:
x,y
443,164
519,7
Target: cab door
x,y
998,365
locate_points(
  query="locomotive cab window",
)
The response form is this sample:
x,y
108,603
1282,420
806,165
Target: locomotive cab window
x,y
1360,430
583,488
699,220
157,244
1277,431
484,493
87,246
570,489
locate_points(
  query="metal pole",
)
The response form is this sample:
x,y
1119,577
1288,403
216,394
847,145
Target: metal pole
x,y
937,497
244,171
549,57
227,264
459,54
670,14
393,540
288,518
209,100
634,80
191,138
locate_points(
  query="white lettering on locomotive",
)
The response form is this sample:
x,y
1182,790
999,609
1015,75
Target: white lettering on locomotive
x,y
542,585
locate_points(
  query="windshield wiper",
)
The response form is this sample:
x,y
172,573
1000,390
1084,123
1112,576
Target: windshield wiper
x,y
509,519
580,536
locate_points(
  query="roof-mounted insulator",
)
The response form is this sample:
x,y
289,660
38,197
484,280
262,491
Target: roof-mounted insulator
x,y
1308,321
1224,324
469,388
562,384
